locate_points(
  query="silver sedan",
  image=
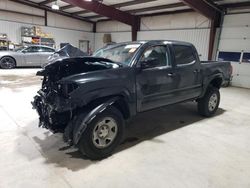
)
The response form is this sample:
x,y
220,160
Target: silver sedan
x,y
24,57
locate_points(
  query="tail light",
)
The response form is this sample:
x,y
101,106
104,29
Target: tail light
x,y
230,69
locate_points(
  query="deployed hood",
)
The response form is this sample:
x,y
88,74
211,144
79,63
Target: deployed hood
x,y
69,61
66,52
70,66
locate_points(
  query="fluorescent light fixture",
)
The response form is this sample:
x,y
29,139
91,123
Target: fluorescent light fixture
x,y
55,7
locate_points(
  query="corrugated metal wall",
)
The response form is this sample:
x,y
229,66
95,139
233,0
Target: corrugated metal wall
x,y
13,29
235,37
189,27
198,37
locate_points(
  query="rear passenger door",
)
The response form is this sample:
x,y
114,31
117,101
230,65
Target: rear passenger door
x,y
187,71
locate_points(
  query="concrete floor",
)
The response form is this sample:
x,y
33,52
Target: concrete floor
x,y
169,147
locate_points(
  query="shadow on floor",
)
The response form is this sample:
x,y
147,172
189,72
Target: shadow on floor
x,y
146,126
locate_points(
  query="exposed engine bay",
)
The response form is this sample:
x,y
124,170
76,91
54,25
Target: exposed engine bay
x,y
55,102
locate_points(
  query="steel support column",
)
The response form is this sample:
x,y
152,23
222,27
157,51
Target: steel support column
x,y
109,12
212,12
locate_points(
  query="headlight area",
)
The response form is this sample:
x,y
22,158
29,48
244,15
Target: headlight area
x,y
66,89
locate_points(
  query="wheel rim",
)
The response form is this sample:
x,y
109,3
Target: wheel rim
x,y
7,63
212,104
104,132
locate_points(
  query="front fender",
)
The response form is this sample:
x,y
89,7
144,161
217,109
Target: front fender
x,y
80,127
89,96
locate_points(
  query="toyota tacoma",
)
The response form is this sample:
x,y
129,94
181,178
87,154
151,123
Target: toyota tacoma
x,y
89,99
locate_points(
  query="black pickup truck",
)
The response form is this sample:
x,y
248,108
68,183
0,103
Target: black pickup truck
x,y
89,99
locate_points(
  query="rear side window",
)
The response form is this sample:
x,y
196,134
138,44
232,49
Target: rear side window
x,y
183,54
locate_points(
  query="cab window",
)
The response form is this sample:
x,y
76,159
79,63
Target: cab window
x,y
183,55
158,56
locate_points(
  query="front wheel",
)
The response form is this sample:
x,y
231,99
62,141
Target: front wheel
x,y
7,63
208,105
103,134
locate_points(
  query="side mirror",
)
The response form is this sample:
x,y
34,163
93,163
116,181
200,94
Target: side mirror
x,y
149,63
24,51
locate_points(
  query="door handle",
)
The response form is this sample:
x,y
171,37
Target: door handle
x,y
196,71
171,74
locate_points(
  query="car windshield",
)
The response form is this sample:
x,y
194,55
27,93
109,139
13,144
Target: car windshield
x,y
18,49
119,53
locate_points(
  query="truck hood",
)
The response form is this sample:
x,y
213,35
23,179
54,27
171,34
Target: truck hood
x,y
71,66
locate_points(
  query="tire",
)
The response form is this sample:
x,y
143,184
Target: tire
x,y
209,103
7,63
95,149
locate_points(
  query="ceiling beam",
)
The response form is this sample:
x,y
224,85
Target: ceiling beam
x,y
43,7
66,7
105,10
156,8
156,14
110,12
81,12
202,7
120,5
130,3
166,13
210,10
46,2
236,5
173,5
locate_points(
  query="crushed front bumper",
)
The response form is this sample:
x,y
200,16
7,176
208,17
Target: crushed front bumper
x,y
54,112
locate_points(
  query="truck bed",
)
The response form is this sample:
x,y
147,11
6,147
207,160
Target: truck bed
x,y
212,67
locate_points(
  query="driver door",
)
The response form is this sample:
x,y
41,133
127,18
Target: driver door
x,y
155,81
32,56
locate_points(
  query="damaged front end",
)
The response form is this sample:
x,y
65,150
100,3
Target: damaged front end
x,y
53,106
55,103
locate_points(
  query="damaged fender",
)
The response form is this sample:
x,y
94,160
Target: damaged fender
x,y
80,128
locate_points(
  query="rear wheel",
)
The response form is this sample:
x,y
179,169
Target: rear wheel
x,y
208,105
7,63
102,135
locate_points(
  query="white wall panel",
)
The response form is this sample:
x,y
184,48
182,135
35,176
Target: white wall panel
x,y
198,37
237,20
10,5
21,18
56,20
69,36
241,75
234,45
175,21
113,26
235,37
165,27
235,32
13,29
116,37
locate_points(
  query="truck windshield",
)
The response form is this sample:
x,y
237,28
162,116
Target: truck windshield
x,y
118,53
